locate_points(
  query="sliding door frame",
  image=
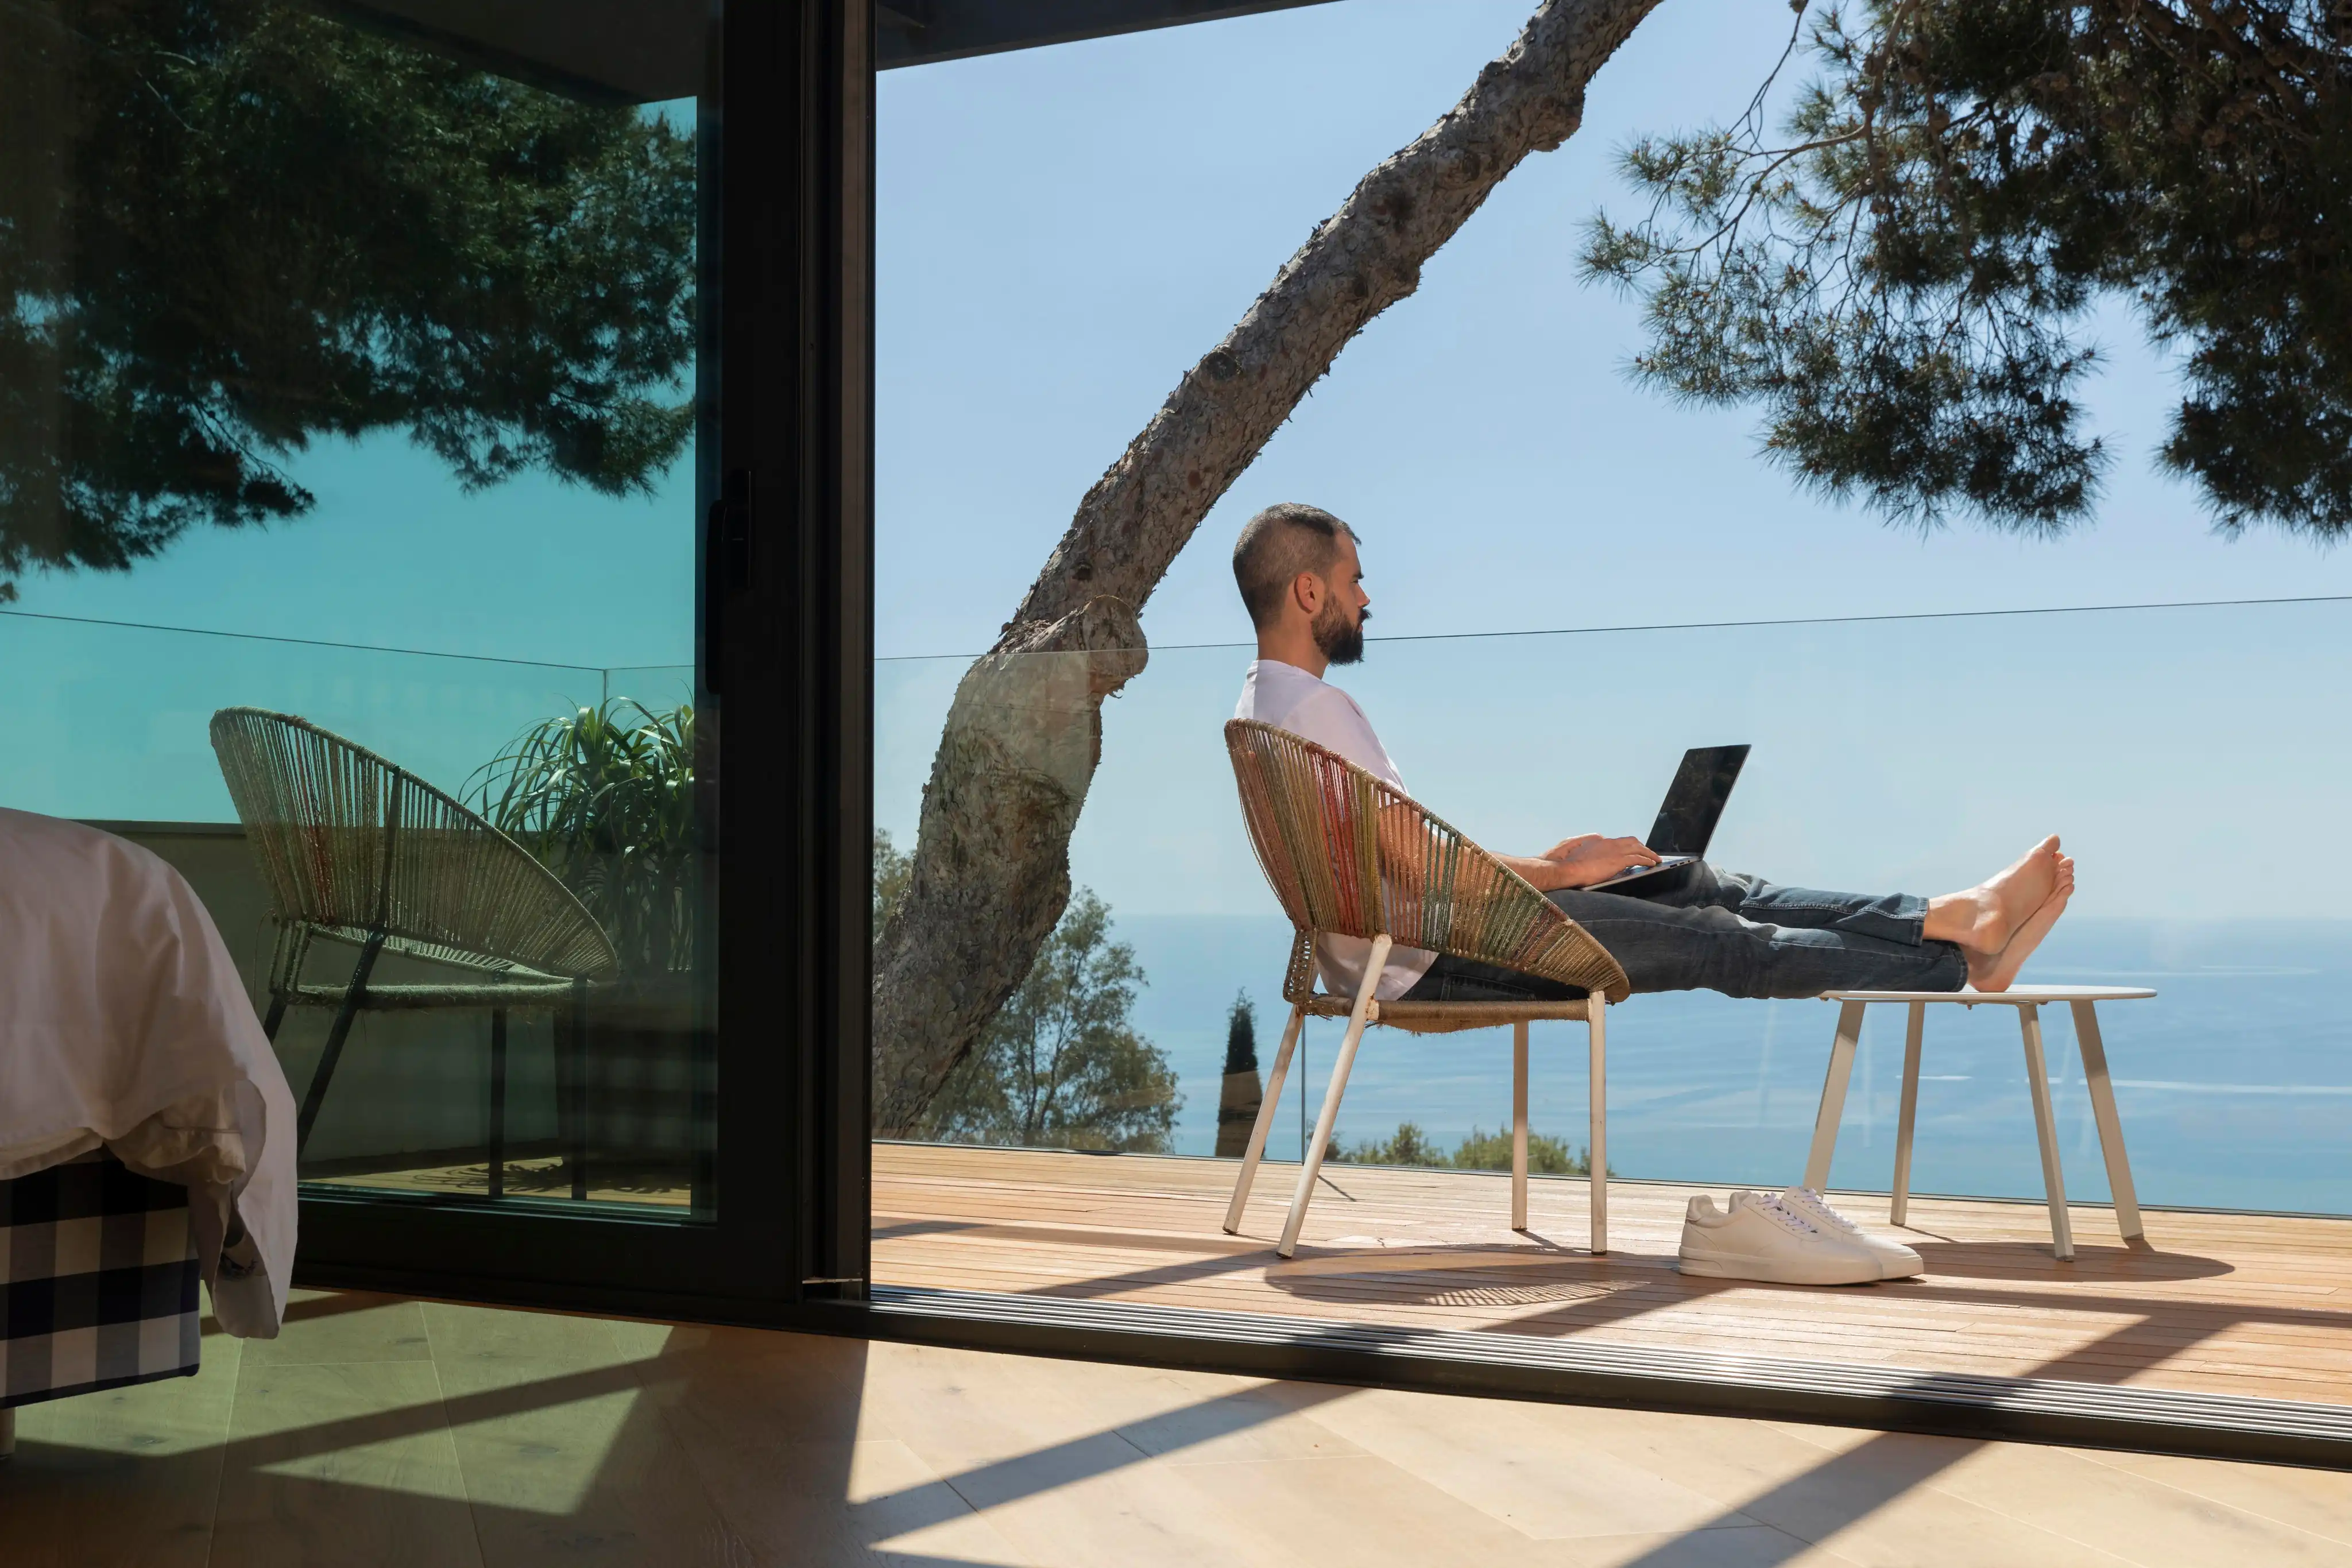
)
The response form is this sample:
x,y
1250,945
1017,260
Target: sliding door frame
x,y
786,587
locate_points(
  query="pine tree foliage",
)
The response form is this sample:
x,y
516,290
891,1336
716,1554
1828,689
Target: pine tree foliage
x,y
1900,278
893,869
229,229
1061,1066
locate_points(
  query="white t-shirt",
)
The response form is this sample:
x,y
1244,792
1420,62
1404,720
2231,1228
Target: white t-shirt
x,y
1287,697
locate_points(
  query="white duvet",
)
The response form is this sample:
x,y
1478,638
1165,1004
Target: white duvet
x,y
124,1022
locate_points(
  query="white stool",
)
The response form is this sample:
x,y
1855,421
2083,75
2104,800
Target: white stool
x,y
2027,1000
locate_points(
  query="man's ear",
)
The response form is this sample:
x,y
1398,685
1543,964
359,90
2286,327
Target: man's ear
x,y
1307,591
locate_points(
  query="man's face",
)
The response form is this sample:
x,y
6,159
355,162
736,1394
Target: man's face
x,y
1339,625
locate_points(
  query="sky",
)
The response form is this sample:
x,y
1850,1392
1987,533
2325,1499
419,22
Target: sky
x,y
1065,231
1061,233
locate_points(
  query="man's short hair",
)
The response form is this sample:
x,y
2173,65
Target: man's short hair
x,y
1275,546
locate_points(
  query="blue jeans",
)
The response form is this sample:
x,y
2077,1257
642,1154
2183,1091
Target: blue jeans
x,y
1704,928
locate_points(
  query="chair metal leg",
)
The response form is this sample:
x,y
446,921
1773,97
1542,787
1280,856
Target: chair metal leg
x,y
1312,1165
285,976
336,1034
498,1102
2110,1126
1268,1104
1825,1124
579,1090
1900,1209
1596,1027
2045,1129
1519,1125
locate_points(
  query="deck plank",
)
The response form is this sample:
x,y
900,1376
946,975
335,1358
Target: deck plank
x,y
2256,1304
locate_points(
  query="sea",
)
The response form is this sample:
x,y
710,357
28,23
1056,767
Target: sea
x,y
2234,1083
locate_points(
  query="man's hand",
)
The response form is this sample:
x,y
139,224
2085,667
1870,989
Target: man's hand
x,y
1589,858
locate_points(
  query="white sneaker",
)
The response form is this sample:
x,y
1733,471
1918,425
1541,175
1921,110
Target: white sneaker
x,y
1895,1262
1764,1239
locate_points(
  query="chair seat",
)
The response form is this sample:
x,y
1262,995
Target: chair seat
x,y
517,993
1448,1018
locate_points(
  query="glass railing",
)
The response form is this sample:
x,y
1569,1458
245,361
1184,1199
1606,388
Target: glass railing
x,y
109,723
2190,756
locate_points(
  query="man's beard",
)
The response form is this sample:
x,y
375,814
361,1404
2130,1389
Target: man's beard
x,y
1341,640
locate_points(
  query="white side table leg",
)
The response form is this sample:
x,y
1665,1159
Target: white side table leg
x,y
2110,1126
1900,1209
2045,1128
1596,1026
1825,1124
1519,1125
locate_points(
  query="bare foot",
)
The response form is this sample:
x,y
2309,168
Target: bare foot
x,y
1999,972
1983,919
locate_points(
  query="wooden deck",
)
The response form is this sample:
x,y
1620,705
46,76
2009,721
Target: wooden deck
x,y
2210,1303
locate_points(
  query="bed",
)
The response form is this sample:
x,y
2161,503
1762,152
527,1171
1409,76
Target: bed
x,y
97,1282
146,1129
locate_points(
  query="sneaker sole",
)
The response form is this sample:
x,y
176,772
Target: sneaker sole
x,y
1767,1271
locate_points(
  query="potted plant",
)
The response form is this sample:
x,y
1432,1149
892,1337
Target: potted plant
x,y
604,798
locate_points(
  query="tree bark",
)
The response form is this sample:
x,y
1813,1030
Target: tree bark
x,y
992,869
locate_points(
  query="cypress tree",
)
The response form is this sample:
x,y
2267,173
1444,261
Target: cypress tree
x,y
1242,1093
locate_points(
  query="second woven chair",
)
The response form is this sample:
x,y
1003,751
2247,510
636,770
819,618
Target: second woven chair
x,y
362,852
1350,856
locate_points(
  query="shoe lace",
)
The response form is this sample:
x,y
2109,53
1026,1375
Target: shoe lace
x,y
1785,1215
1813,1206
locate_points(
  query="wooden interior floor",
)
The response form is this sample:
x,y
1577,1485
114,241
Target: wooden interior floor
x,y
2215,1303
383,1433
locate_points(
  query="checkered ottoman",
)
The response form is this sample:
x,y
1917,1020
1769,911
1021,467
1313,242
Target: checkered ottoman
x,y
98,1281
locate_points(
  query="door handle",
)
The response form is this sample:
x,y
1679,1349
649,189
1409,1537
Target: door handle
x,y
726,563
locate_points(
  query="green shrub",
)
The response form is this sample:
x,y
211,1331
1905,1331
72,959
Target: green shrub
x,y
1481,1151
604,798
1061,1065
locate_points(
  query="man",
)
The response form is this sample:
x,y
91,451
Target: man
x,y
1702,928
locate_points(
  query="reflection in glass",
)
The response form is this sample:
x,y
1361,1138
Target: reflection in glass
x,y
311,333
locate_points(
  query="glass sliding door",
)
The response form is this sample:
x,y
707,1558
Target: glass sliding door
x,y
360,441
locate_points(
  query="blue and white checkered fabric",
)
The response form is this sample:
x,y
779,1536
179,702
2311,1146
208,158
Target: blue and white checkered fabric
x,y
98,1281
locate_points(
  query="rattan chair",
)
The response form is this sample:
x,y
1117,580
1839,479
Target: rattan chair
x,y
358,850
1348,856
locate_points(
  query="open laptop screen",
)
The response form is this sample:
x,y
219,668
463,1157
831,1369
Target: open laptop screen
x,y
1695,804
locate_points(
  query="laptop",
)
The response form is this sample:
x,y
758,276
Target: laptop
x,y
1693,804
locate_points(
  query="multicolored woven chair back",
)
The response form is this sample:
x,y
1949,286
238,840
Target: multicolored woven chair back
x,y
354,845
1348,856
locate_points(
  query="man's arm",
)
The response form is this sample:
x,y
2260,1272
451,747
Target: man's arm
x,y
1331,719
1580,862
